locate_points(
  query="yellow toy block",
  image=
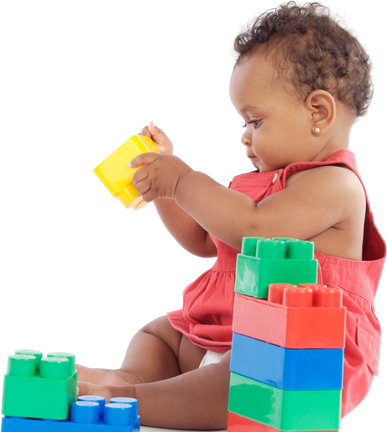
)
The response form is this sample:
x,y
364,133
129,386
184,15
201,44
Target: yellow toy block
x,y
116,175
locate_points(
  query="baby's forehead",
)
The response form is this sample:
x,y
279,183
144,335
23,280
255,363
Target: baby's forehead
x,y
244,77
255,66
259,71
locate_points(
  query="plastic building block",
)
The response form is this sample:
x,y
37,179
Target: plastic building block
x,y
31,379
264,261
237,423
282,409
287,352
287,369
310,318
85,415
116,175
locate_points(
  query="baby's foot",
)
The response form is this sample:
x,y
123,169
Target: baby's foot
x,y
106,377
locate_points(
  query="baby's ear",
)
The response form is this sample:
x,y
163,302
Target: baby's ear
x,y
322,107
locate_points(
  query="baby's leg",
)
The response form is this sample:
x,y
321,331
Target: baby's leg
x,y
155,353
159,352
161,366
174,393
193,400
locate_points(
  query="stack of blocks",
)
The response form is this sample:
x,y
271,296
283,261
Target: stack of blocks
x,y
288,341
39,396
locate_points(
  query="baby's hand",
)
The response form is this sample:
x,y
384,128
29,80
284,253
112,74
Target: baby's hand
x,y
164,144
106,391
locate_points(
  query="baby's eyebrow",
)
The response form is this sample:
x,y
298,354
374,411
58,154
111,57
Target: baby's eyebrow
x,y
248,108
251,108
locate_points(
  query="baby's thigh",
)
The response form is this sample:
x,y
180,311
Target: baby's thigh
x,y
190,355
162,329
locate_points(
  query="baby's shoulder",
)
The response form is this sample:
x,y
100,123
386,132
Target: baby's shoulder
x,y
344,177
339,175
349,184
337,180
344,180
336,194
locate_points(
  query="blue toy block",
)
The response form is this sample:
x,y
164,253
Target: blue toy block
x,y
287,369
85,415
263,261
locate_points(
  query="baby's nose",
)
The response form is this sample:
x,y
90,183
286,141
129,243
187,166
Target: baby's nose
x,y
241,143
246,139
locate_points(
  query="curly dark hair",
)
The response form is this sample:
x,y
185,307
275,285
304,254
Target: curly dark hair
x,y
323,54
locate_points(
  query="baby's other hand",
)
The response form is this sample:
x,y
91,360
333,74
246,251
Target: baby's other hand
x,y
164,144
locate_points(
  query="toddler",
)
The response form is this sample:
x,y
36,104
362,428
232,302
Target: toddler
x,y
299,83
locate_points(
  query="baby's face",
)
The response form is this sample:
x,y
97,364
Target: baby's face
x,y
278,125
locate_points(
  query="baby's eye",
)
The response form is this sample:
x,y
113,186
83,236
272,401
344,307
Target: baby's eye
x,y
254,122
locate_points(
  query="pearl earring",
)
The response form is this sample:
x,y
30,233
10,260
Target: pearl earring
x,y
317,130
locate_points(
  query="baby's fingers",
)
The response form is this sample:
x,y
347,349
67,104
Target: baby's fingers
x,y
143,159
154,132
145,132
106,392
163,143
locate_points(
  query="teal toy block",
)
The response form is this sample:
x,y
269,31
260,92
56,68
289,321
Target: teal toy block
x,y
32,379
313,410
37,354
90,414
263,262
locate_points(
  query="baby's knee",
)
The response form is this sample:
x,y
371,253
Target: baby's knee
x,y
162,329
190,355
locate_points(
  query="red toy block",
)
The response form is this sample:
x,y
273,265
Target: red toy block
x,y
237,423
310,317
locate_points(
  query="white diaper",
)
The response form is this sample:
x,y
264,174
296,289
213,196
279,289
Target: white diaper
x,y
211,357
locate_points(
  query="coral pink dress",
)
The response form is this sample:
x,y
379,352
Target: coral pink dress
x,y
206,317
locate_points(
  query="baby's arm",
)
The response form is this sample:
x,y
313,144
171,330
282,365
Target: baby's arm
x,y
187,232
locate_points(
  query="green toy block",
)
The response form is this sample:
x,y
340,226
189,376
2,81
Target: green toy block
x,y
39,387
37,352
264,261
285,410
